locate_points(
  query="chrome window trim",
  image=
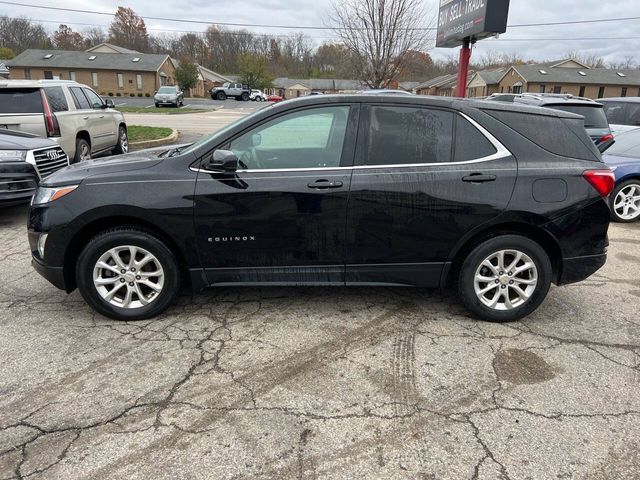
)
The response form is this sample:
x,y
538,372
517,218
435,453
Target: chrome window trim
x,y
501,152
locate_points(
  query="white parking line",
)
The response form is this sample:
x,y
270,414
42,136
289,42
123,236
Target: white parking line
x,y
149,106
187,105
120,104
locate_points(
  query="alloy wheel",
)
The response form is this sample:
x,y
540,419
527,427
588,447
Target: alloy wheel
x,y
128,277
627,202
85,153
124,141
505,280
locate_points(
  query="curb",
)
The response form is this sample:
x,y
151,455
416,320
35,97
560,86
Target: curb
x,y
157,142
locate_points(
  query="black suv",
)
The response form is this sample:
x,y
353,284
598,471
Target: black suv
x,y
499,199
595,119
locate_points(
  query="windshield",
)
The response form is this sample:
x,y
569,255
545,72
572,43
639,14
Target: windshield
x,y
627,145
222,132
594,117
167,90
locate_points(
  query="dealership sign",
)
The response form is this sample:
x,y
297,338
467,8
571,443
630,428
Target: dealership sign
x,y
473,19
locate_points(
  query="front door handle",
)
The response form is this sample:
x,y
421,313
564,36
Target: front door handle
x,y
479,178
324,184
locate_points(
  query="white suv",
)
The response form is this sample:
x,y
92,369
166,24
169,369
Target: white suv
x,y
73,115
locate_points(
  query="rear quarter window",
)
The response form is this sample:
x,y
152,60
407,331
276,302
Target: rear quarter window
x,y
471,144
564,137
20,100
57,100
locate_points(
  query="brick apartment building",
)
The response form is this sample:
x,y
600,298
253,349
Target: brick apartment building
x,y
108,69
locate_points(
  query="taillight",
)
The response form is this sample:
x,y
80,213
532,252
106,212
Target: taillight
x,y
603,181
50,120
606,138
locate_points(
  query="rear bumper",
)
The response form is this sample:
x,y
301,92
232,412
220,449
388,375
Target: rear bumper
x,y
580,268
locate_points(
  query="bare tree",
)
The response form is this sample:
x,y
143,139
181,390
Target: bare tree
x,y
379,33
94,36
66,39
19,34
589,59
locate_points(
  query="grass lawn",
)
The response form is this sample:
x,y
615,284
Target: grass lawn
x,y
163,110
138,133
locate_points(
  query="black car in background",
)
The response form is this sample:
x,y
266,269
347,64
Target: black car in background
x,y
25,159
595,120
499,199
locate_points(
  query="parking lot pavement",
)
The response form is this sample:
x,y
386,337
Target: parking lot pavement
x,y
204,103
320,382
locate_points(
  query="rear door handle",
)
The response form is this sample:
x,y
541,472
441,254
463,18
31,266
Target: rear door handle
x,y
324,184
479,178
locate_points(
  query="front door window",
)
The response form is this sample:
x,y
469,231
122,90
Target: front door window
x,y
306,139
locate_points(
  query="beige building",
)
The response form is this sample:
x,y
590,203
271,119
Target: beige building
x,y
571,77
443,86
108,69
293,87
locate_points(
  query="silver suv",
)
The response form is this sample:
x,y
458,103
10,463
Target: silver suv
x,y
71,114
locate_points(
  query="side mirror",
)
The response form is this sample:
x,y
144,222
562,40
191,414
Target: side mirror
x,y
109,103
223,161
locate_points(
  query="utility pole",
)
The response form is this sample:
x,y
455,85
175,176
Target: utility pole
x,y
463,68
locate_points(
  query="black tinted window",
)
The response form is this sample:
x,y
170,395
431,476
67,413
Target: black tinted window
x,y
94,100
471,144
594,117
406,135
57,100
565,137
20,100
79,99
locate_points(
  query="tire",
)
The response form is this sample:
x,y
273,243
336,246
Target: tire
x,y
244,97
627,196
221,96
83,151
157,105
538,278
123,142
163,260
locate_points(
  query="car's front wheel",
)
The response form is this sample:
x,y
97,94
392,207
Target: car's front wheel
x,y
505,278
625,202
123,141
127,274
244,97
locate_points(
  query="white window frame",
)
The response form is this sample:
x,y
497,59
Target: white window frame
x,y
120,80
138,81
72,75
94,79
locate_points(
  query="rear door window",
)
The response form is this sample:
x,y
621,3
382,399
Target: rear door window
x,y
20,100
471,144
56,98
79,99
401,135
615,112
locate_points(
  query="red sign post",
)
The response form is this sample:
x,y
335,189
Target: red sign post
x,y
463,22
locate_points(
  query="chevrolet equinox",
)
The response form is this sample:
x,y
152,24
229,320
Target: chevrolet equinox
x,y
498,199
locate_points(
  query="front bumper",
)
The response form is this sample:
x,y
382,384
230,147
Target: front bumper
x,y
580,268
165,101
55,275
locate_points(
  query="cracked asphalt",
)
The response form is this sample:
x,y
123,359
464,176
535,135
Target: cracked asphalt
x,y
305,383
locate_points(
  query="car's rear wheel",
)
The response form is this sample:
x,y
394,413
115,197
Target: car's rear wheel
x,y
127,274
625,202
505,278
83,151
123,141
221,96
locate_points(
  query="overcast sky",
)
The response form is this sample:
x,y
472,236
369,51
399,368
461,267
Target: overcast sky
x,y
305,12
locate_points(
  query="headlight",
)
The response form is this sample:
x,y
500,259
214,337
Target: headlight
x,y
12,155
47,195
